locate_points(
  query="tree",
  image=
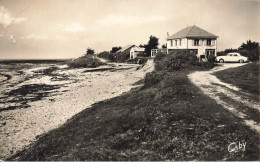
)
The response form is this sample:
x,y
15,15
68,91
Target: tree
x,y
230,50
249,45
250,49
164,46
152,44
142,45
115,49
90,52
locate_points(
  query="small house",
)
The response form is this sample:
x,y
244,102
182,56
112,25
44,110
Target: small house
x,y
133,50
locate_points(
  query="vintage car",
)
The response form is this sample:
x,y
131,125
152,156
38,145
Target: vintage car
x,y
232,57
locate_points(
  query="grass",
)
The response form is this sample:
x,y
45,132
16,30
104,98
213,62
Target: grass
x,y
170,119
245,77
88,61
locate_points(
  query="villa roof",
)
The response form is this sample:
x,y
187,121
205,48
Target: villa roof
x,y
139,49
125,48
192,32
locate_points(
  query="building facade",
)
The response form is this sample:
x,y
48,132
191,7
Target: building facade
x,y
133,50
195,39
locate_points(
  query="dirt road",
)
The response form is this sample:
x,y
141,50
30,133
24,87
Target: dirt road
x,y
229,96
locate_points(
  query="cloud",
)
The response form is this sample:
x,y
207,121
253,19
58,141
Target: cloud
x,y
8,38
12,38
129,20
73,27
6,18
56,37
36,37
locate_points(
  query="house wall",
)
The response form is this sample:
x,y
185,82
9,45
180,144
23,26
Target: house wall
x,y
132,53
135,51
183,44
202,45
188,43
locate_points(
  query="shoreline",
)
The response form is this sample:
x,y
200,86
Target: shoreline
x,y
20,127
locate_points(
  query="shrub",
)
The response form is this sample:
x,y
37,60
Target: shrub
x,y
211,58
138,60
204,65
221,53
181,59
175,60
84,62
158,56
154,77
253,55
132,61
121,56
115,57
106,55
142,60
90,52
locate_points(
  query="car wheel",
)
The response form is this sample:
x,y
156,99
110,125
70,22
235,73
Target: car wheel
x,y
241,61
221,61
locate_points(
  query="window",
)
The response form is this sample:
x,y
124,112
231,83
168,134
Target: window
x,y
180,42
176,42
196,42
209,42
235,55
171,43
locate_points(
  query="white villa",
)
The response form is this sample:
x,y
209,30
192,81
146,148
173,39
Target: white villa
x,y
133,50
193,38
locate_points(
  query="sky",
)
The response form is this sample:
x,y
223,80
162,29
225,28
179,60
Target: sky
x,y
52,29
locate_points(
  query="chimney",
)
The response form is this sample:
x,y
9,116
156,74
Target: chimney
x,y
167,34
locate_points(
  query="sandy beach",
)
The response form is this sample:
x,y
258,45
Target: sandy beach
x,y
68,92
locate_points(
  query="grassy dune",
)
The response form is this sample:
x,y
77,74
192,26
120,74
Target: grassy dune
x,y
84,62
166,119
245,77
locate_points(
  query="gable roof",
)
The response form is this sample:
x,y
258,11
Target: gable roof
x,y
139,49
125,48
192,32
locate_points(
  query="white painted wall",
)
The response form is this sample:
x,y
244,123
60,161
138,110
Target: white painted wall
x,y
182,46
188,44
202,46
134,51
